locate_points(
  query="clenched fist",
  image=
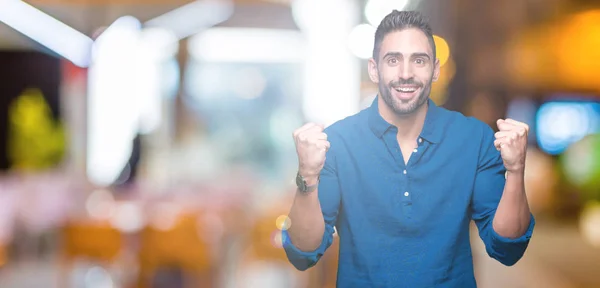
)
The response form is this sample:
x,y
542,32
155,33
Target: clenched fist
x,y
311,146
511,141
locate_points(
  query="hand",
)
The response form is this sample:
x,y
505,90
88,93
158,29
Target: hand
x,y
511,141
311,146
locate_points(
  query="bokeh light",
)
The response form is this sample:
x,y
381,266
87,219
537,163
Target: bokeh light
x,y
562,123
127,217
376,10
442,50
589,223
277,238
98,277
165,216
581,165
283,222
361,41
577,57
100,204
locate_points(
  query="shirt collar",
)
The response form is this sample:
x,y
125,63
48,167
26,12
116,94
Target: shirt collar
x,y
431,129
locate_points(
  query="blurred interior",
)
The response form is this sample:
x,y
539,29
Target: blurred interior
x,y
148,143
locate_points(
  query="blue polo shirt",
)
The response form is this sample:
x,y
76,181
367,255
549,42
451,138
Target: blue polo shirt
x,y
408,225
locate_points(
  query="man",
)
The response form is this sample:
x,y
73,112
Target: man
x,y
402,180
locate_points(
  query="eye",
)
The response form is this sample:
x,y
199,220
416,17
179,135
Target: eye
x,y
420,61
392,61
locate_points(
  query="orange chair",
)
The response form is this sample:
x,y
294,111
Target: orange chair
x,y
265,240
264,245
182,246
3,255
90,240
95,240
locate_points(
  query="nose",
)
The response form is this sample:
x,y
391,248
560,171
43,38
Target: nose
x,y
405,70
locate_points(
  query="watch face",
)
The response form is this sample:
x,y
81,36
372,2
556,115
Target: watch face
x,y
300,182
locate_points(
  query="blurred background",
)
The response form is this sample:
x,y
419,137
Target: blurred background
x,y
147,143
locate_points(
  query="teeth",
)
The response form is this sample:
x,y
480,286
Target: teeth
x,y
407,90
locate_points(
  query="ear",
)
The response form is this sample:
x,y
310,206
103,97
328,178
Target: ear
x,y
436,70
373,72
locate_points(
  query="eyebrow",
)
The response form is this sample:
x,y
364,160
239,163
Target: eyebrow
x,y
425,55
398,54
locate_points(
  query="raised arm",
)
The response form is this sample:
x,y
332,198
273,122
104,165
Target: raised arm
x,y
314,213
499,205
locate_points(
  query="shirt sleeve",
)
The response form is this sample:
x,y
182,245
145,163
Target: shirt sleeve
x,y
488,189
329,198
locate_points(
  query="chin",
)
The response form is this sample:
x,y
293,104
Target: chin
x,y
408,107
405,109
403,103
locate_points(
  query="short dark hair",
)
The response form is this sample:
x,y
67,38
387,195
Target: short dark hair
x,y
400,20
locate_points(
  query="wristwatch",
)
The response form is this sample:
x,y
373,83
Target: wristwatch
x,y
301,183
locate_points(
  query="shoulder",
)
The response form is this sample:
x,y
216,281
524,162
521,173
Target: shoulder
x,y
457,123
347,126
345,133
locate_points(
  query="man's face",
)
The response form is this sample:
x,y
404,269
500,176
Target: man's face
x,y
405,69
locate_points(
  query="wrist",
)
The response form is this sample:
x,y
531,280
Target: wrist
x,y
512,173
308,183
311,178
516,170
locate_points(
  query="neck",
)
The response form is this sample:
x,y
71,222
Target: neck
x,y
409,125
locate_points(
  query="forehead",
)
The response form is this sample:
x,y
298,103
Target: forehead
x,y
406,41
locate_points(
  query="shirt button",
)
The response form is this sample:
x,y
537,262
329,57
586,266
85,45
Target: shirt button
x,y
420,140
404,172
415,150
406,194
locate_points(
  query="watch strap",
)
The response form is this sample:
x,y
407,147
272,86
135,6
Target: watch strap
x,y
303,187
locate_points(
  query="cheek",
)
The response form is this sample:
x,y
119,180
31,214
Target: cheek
x,y
387,75
424,75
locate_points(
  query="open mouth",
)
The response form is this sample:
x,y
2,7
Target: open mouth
x,y
411,89
405,92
